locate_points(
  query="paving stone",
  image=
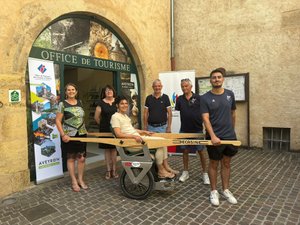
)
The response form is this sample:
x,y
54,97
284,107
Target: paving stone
x,y
37,212
265,183
195,223
147,222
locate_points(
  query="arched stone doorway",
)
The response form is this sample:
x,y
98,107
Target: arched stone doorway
x,y
85,50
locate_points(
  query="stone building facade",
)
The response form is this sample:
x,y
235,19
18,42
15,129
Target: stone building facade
x,y
261,38
138,24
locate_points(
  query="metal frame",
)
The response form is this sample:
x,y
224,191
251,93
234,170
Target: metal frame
x,y
142,160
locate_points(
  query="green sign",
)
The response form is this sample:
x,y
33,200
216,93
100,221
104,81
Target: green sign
x,y
79,60
14,96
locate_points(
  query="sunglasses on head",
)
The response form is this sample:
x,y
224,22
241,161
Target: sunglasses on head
x,y
185,79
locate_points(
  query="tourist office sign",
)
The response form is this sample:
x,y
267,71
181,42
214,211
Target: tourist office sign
x,y
79,60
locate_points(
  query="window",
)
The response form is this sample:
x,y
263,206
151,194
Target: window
x,y
275,138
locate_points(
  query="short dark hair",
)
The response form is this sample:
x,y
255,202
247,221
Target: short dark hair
x,y
103,95
120,98
218,70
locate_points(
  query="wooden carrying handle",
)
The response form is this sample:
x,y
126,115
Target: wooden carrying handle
x,y
163,135
155,143
100,134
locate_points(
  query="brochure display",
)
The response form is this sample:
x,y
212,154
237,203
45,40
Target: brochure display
x,y
47,150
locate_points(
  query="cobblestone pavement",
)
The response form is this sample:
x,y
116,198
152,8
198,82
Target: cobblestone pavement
x,y
266,184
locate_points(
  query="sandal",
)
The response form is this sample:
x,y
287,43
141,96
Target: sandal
x,y
167,176
114,174
107,175
83,186
176,172
75,188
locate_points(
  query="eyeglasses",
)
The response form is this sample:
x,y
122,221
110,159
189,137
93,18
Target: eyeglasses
x,y
107,90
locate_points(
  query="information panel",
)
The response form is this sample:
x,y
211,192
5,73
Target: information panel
x,y
235,83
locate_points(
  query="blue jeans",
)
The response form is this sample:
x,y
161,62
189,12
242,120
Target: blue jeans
x,y
161,129
191,148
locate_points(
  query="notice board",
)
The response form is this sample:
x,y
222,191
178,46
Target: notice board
x,y
237,83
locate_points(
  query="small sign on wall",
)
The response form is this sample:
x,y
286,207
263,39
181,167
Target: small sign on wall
x,y
14,96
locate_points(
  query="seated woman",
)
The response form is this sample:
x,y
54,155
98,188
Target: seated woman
x,y
123,128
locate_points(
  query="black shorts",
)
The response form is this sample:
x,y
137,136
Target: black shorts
x,y
217,152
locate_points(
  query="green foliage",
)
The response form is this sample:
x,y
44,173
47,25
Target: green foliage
x,y
44,40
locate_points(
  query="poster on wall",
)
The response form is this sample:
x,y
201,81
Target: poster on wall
x,y
43,94
94,40
171,81
129,87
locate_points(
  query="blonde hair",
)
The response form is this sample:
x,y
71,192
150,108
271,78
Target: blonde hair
x,y
156,81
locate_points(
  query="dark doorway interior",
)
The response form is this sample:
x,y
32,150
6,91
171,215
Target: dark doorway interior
x,y
89,83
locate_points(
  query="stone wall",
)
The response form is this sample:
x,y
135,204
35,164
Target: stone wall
x,y
259,37
143,25
14,174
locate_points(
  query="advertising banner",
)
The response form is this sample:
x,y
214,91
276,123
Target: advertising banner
x,y
47,151
171,81
129,88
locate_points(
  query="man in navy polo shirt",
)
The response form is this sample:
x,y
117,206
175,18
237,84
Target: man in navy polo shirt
x,y
158,111
191,122
218,113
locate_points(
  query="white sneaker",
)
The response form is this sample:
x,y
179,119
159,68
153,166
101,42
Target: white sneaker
x,y
229,196
214,198
205,178
184,176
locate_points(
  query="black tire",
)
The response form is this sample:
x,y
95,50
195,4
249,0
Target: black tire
x,y
136,191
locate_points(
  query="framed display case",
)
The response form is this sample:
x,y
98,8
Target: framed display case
x,y
237,83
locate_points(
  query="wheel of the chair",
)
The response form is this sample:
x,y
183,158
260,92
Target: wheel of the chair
x,y
137,191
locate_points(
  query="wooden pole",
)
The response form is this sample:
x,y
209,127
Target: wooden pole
x,y
155,143
163,135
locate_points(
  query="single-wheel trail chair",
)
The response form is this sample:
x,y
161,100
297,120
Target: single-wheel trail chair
x,y
139,177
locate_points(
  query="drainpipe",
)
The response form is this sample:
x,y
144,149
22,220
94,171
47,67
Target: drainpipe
x,y
172,36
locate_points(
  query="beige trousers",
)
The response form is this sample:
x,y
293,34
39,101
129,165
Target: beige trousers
x,y
160,154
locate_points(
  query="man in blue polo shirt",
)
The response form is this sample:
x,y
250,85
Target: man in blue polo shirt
x,y
191,122
158,111
218,113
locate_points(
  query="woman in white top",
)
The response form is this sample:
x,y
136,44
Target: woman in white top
x,y
123,128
